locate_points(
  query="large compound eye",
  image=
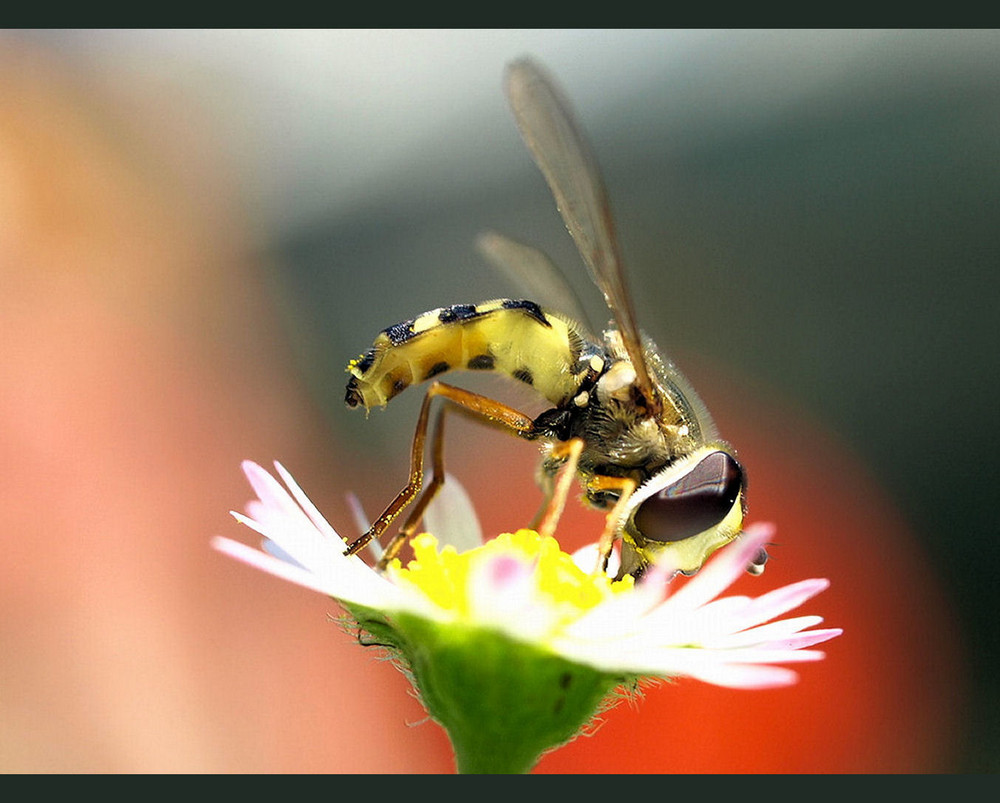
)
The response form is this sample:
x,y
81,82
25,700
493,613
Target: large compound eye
x,y
693,503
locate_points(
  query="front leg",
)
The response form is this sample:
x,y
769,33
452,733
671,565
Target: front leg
x,y
624,487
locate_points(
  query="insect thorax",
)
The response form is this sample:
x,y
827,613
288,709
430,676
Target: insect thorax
x,y
622,437
518,338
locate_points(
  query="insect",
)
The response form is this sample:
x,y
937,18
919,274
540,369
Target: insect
x,y
623,420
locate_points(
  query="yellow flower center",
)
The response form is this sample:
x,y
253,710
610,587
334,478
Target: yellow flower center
x,y
444,575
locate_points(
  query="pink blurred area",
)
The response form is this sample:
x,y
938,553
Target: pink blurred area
x,y
141,362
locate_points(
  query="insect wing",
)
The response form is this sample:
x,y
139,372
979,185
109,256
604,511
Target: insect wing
x,y
565,159
532,272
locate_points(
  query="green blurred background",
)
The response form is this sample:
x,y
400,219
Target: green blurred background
x,y
809,212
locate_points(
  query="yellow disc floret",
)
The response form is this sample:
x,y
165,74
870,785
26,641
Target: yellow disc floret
x,y
444,576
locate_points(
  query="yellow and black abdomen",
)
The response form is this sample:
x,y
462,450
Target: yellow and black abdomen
x,y
518,338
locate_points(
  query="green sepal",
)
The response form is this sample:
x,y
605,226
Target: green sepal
x,y
502,702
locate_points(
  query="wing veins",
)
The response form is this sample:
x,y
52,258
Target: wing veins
x,y
547,126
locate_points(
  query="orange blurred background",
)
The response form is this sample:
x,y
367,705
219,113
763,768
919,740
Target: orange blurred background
x,y
148,348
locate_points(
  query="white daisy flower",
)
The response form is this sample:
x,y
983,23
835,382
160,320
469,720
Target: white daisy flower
x,y
519,593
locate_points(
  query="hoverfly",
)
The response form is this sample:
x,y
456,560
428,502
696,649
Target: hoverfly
x,y
623,419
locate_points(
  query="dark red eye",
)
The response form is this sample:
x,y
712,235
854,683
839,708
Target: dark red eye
x,y
693,503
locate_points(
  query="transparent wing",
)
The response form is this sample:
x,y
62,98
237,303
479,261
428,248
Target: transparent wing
x,y
565,159
533,273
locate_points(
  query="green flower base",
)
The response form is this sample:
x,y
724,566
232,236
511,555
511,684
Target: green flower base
x,y
502,702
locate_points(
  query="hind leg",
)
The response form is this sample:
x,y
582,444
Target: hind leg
x,y
478,407
427,495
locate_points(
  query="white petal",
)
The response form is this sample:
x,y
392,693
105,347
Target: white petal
x,y
451,517
746,676
617,617
299,531
728,641
806,639
716,619
306,504
718,574
587,557
296,537
270,564
782,629
781,600
279,516
504,594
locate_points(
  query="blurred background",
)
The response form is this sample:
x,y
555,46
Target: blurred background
x,y
199,228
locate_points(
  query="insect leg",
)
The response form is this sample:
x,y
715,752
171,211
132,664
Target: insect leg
x,y
416,514
625,487
479,407
553,507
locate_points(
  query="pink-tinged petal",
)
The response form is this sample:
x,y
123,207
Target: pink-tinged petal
x,y
679,660
504,572
296,537
291,572
728,608
683,631
723,640
255,509
802,640
269,490
503,594
501,587
306,504
769,656
728,641
342,583
315,549
746,676
781,600
736,668
278,517
782,629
